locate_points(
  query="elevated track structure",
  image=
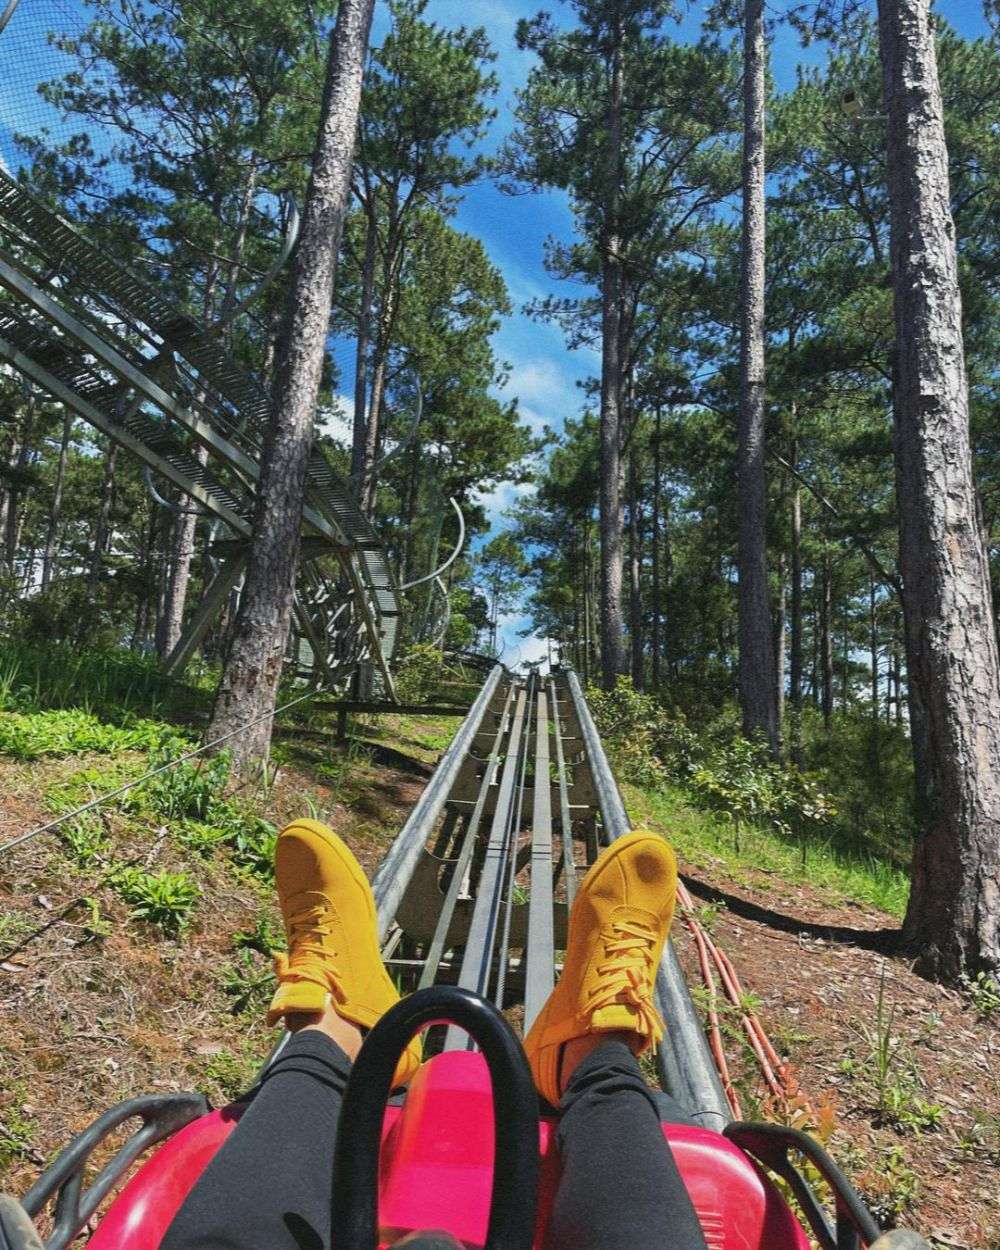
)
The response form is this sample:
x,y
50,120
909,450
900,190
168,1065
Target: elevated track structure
x,y
88,331
101,340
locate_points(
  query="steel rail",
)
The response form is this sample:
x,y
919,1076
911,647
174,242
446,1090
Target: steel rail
x,y
540,973
513,834
479,947
394,873
462,863
565,821
683,1059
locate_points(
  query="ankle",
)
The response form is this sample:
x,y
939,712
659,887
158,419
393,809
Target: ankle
x,y
345,1033
578,1049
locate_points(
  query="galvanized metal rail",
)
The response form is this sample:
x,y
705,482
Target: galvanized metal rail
x,y
476,889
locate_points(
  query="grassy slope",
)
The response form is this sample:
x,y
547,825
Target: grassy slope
x,y
705,840
99,1004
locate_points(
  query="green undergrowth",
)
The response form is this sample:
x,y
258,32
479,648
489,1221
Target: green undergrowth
x,y
112,684
705,839
71,731
722,799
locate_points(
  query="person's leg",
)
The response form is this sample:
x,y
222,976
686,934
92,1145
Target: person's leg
x,y
268,1187
620,1187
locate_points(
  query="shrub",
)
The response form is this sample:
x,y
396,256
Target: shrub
x,y
253,845
31,735
192,789
165,899
419,673
113,681
723,770
84,838
631,724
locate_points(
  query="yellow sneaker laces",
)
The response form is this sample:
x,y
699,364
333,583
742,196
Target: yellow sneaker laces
x,y
627,975
308,959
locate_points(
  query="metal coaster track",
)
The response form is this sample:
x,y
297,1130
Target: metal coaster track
x,y
476,889
106,343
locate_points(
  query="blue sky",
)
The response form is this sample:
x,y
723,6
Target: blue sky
x,y
544,374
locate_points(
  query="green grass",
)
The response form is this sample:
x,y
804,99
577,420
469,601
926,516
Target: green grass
x,y
703,838
112,682
69,731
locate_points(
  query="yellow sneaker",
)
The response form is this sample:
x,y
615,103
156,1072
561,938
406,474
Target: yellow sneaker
x,y
617,930
332,932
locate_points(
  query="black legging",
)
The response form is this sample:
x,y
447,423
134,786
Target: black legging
x,y
268,1187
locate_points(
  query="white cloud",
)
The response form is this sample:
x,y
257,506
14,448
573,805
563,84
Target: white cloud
x,y
539,382
518,650
338,420
499,499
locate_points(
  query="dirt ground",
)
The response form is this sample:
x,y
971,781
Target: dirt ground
x,y
817,973
88,1018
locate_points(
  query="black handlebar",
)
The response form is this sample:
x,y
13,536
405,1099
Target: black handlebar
x,y
515,1117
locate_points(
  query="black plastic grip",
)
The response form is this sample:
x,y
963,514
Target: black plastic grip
x,y
515,1116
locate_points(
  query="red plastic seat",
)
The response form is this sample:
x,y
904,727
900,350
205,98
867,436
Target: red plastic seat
x,y
437,1167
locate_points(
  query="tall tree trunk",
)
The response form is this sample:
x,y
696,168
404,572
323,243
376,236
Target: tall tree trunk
x,y
408,514
611,525
655,624
588,642
756,678
20,458
873,642
363,338
253,667
185,524
826,640
795,639
845,658
780,612
380,366
102,528
953,918
55,510
635,571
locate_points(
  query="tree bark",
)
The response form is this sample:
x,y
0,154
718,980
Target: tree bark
x,y
635,571
361,356
55,511
654,539
756,673
250,678
953,918
611,526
